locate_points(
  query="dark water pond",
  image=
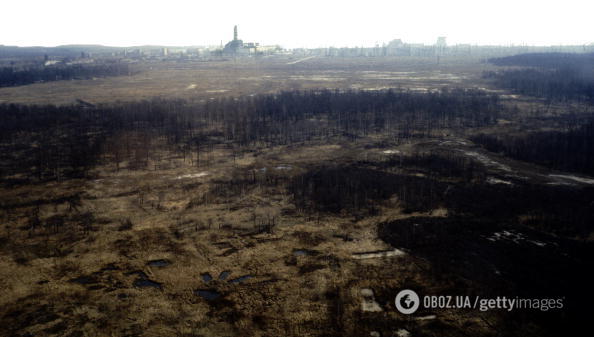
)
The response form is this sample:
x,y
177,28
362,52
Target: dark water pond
x,y
209,295
224,274
144,283
206,277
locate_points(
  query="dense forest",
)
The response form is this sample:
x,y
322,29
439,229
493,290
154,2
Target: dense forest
x,y
361,189
13,76
567,151
54,141
553,76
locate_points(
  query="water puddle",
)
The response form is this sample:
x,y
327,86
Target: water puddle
x,y
144,283
158,263
206,277
209,295
224,274
140,273
84,280
241,279
143,280
304,252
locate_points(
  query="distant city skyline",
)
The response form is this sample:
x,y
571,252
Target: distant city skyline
x,y
307,23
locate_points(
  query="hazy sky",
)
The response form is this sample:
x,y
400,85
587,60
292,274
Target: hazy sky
x,y
300,23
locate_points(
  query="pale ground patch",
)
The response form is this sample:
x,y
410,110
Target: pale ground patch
x,y
566,177
316,78
487,161
301,60
192,175
494,181
374,255
368,302
514,237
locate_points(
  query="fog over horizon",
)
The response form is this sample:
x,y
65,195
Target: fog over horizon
x,y
291,24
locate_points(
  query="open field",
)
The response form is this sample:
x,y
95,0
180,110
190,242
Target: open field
x,y
204,80
189,224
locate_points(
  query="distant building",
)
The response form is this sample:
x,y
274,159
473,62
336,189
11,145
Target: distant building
x,y
440,45
237,47
234,46
397,47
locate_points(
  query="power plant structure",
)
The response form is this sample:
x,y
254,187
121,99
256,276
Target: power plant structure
x,y
236,47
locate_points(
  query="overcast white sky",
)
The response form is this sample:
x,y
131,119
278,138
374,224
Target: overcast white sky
x,y
299,23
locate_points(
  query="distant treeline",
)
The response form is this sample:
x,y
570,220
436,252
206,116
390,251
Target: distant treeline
x,y
53,141
67,51
553,76
568,151
12,76
546,60
556,85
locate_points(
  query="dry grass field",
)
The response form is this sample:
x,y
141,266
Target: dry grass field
x,y
202,80
158,237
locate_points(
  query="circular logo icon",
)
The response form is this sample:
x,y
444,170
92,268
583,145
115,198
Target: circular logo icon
x,y
407,301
